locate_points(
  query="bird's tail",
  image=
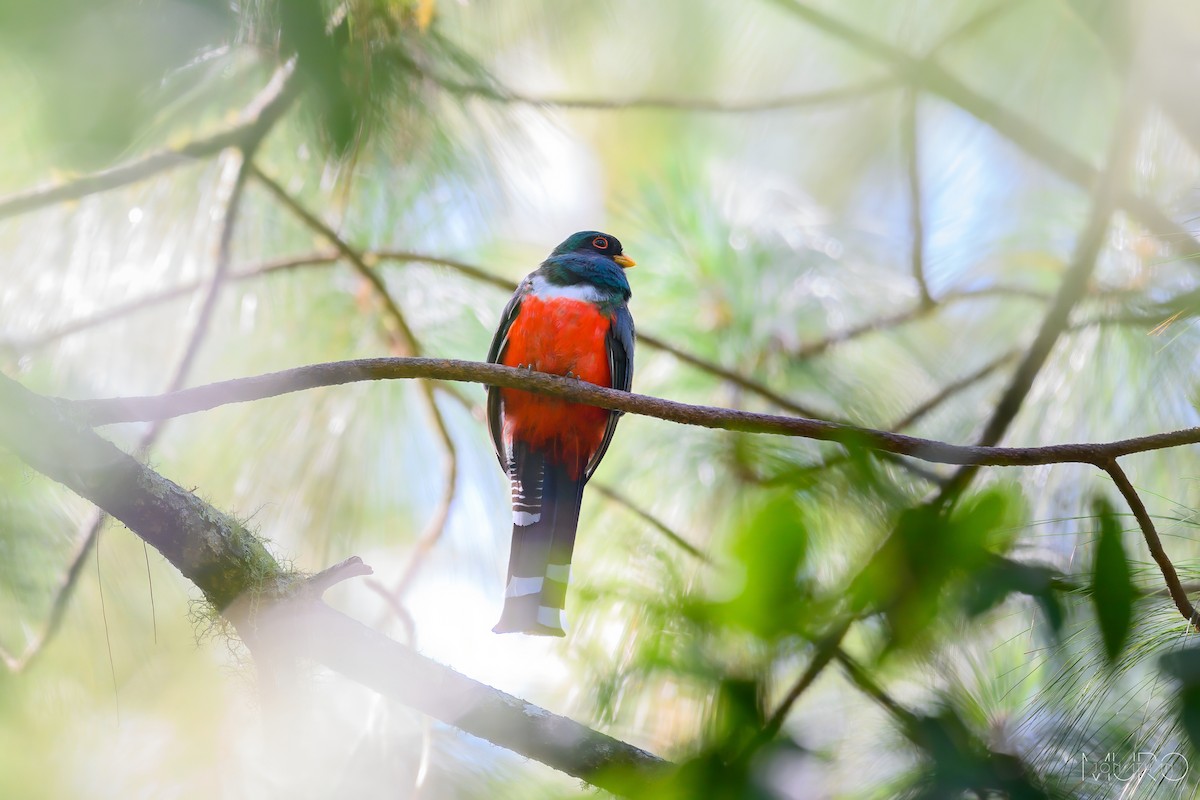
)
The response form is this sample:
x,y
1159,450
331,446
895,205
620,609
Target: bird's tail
x,y
546,503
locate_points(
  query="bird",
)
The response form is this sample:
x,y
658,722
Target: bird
x,y
568,317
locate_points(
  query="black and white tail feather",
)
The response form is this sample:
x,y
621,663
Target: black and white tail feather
x,y
545,502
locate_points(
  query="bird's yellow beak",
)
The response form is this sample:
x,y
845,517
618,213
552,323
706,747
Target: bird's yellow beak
x,y
625,261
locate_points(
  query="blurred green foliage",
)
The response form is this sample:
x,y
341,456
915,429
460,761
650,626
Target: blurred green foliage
x,y
103,71
1112,585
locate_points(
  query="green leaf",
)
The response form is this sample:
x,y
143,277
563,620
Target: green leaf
x,y
1112,584
1004,576
1184,666
775,598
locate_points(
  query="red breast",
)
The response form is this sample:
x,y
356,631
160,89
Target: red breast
x,y
559,336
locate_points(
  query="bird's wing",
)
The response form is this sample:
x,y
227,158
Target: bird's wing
x,y
495,405
620,366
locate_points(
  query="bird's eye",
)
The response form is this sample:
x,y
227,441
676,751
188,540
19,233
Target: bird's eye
x,y
600,243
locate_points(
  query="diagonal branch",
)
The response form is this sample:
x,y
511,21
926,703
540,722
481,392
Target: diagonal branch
x,y
406,341
975,24
271,607
653,521
805,100
253,122
825,649
1072,289
1150,534
154,299
912,163
915,415
737,379
336,373
930,76
953,388
921,310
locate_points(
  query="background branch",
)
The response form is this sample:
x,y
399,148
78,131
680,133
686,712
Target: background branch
x,y
1087,250
931,77
253,122
909,131
802,100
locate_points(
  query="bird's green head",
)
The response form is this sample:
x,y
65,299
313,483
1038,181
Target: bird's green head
x,y
594,243
592,258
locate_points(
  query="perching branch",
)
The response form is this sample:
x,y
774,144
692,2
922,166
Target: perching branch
x,y
323,259
235,572
253,122
336,373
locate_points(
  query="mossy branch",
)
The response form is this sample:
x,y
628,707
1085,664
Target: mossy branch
x,y
230,565
212,549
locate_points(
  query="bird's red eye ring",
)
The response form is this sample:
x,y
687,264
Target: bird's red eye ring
x,y
600,243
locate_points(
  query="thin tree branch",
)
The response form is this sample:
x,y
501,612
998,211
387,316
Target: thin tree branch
x,y
253,122
154,299
928,75
1170,576
405,340
62,596
919,311
934,402
230,204
737,379
653,521
470,270
953,388
436,526
1072,289
802,100
975,24
405,343
825,649
336,373
912,161
873,690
